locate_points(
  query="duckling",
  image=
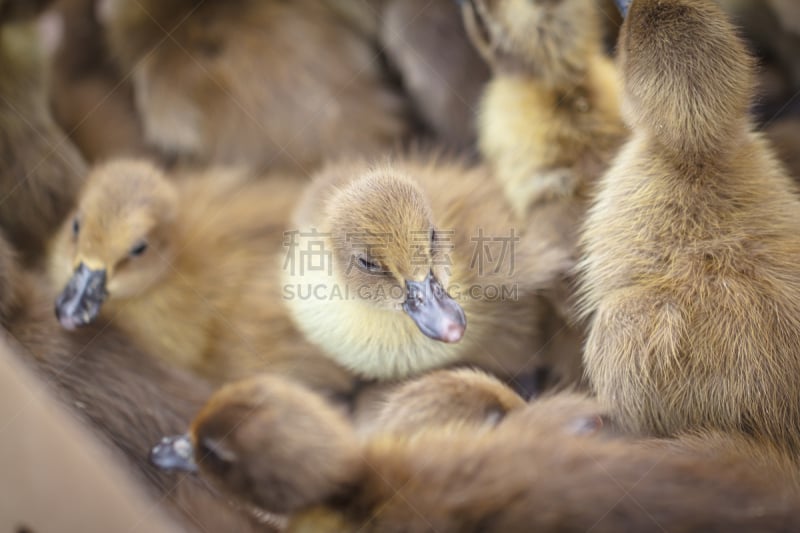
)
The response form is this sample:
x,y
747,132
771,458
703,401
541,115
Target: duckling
x,y
41,172
278,446
189,268
87,93
691,246
126,396
231,82
549,121
402,266
440,70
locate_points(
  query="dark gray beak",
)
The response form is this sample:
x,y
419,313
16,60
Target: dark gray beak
x,y
436,314
174,453
80,301
623,6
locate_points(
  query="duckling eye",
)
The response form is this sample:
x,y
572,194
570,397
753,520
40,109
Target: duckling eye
x,y
139,249
370,266
76,226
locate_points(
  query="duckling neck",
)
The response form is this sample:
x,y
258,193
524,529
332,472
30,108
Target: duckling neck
x,y
372,342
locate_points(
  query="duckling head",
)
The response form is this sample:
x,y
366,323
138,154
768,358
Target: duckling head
x,y
267,442
118,239
384,250
548,39
687,76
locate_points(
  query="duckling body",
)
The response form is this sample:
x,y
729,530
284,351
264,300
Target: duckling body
x,y
549,121
232,82
252,440
191,269
692,244
126,396
549,124
421,229
41,172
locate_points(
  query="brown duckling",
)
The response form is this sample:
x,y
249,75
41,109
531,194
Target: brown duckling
x,y
417,264
189,268
692,245
126,396
268,84
41,171
276,445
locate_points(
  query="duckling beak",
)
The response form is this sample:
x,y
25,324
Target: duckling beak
x,y
174,453
79,303
623,6
436,314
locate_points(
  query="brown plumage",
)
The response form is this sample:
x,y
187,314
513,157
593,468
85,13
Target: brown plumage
x,y
191,268
541,468
548,126
440,70
231,82
549,121
784,135
692,245
91,99
16,10
40,171
415,249
445,396
127,397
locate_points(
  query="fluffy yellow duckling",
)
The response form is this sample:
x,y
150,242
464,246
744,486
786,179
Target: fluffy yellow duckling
x,y
403,266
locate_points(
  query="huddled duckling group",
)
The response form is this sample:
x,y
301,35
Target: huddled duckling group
x,y
413,266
